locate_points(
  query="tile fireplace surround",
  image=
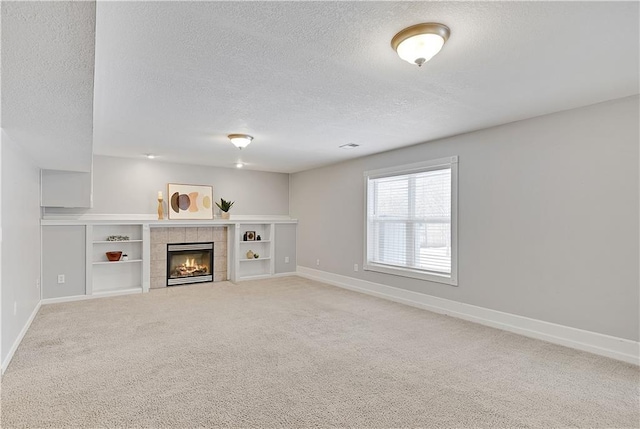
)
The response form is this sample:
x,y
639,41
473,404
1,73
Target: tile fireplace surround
x,y
160,237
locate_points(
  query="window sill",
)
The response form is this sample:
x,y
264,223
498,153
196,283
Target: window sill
x,y
414,274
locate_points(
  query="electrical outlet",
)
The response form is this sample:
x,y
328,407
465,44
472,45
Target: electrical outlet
x,y
355,267
318,262
286,259
15,307
60,278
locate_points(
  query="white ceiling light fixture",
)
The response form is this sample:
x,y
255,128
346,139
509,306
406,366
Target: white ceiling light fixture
x,y
421,42
239,165
240,140
150,156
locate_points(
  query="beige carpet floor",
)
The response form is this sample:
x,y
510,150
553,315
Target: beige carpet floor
x,y
290,352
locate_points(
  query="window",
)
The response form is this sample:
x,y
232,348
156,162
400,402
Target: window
x,y
411,225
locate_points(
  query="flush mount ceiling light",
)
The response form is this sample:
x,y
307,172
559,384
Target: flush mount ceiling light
x,y
421,42
150,156
240,140
239,165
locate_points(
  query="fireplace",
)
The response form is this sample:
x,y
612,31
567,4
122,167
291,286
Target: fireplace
x,y
189,263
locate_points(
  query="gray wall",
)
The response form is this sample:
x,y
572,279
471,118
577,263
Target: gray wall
x,y
65,189
130,186
285,246
548,217
64,250
20,240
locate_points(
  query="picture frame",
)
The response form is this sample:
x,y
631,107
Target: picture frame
x,y
189,201
251,236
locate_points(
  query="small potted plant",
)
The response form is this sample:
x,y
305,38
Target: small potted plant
x,y
224,207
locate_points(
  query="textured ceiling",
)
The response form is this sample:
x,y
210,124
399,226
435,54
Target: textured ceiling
x,y
174,78
47,80
303,78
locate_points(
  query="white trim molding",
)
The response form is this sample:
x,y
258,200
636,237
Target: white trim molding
x,y
95,295
136,218
371,218
98,217
287,274
593,342
23,332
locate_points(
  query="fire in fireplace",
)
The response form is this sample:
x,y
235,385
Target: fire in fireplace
x,y
189,263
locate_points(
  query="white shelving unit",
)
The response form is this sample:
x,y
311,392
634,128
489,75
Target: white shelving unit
x,y
246,269
106,277
118,262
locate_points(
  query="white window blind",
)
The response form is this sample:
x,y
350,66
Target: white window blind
x,y
409,221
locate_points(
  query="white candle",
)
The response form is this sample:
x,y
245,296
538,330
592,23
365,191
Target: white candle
x,y
159,195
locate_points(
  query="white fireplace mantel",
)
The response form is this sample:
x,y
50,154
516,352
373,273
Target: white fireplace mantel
x,y
152,220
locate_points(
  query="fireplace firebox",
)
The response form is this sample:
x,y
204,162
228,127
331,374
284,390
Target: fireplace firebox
x,y
189,263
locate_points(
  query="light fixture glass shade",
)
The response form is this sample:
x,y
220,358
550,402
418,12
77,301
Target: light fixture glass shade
x,y
240,140
419,43
420,49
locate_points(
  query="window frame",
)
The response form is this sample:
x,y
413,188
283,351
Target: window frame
x,y
418,167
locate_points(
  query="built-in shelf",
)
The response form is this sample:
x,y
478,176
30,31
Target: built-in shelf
x,y
104,276
264,265
254,259
117,242
116,262
152,221
109,278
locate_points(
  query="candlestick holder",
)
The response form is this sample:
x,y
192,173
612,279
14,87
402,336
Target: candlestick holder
x,y
160,210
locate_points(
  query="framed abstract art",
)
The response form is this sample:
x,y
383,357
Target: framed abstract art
x,y
190,201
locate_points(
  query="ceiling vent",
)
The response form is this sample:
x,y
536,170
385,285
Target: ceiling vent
x,y
349,146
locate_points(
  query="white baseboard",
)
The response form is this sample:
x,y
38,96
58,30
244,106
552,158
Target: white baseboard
x,y
94,296
600,344
265,276
289,274
16,343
